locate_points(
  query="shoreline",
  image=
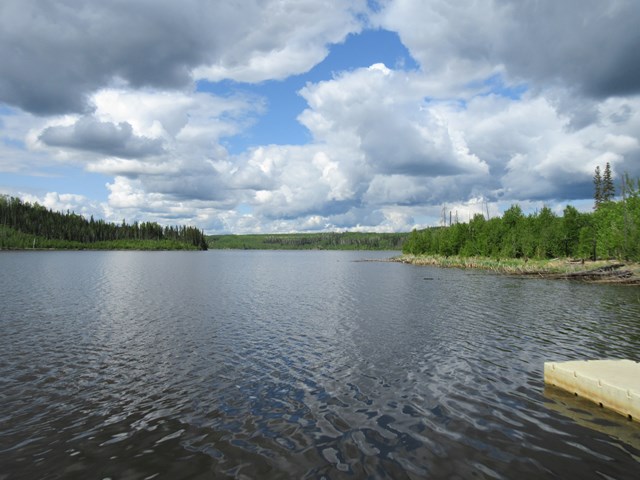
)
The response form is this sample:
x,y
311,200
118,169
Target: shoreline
x,y
610,272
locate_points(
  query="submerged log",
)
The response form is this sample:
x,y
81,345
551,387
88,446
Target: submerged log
x,y
609,273
597,272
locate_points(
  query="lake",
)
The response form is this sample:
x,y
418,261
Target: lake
x,y
291,364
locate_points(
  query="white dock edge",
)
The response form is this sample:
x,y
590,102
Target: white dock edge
x,y
614,384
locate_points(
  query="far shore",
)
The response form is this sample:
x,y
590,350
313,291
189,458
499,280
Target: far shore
x,y
601,271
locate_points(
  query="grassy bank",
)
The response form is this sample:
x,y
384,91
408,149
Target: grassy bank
x,y
602,271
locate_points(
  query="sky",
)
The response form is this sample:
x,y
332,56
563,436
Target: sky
x,y
264,116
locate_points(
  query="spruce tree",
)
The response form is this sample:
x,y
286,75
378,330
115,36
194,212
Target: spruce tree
x,y
608,189
597,183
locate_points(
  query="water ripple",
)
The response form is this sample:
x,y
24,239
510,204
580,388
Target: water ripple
x,y
299,364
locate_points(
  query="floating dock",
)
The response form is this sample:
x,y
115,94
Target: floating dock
x,y
612,384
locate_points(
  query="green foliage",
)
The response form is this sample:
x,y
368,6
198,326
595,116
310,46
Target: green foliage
x,y
572,224
597,187
616,225
631,217
611,231
608,190
310,241
604,189
33,226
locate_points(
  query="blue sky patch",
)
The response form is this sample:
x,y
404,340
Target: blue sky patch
x,y
279,125
495,85
80,182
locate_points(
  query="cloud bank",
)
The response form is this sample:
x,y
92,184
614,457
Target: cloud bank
x,y
512,101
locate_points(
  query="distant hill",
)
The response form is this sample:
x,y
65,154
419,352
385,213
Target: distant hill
x,y
310,241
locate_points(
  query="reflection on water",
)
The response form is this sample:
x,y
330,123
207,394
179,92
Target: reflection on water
x,y
589,415
300,364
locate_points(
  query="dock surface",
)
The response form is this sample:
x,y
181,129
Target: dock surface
x,y
612,384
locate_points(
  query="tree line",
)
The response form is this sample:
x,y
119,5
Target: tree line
x,y
612,230
311,241
54,228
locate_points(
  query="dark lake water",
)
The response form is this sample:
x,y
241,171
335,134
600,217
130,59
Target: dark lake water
x,y
272,364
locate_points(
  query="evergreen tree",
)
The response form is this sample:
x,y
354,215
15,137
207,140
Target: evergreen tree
x,y
607,189
74,229
597,183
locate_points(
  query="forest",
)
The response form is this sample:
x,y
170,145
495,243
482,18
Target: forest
x,y
610,231
26,225
311,241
